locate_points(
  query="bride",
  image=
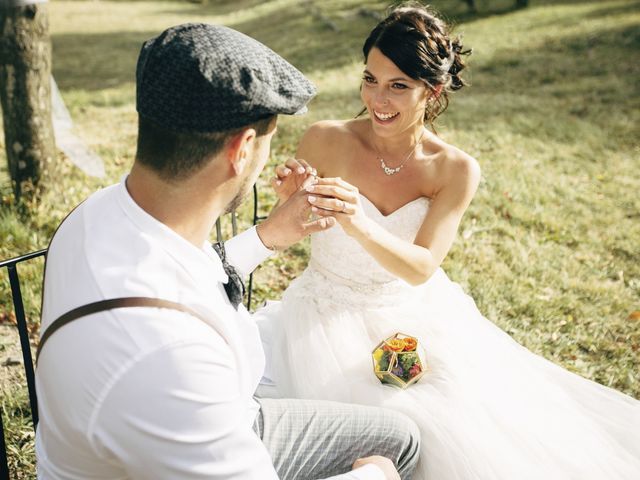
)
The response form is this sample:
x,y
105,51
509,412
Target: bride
x,y
487,407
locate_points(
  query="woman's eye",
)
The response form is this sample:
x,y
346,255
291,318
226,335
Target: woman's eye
x,y
369,79
400,86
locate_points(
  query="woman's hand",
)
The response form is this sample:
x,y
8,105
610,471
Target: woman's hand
x,y
291,177
336,198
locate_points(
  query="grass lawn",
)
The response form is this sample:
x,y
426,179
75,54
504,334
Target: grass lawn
x,y
550,247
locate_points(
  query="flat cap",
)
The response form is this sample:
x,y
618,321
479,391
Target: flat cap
x,y
198,77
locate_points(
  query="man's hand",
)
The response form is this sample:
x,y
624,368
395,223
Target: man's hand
x,y
291,177
290,223
386,465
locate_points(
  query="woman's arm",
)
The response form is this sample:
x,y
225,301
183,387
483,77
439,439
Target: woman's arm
x,y
413,262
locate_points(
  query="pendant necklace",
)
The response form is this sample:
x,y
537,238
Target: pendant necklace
x,y
393,170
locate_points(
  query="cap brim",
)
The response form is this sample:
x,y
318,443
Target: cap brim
x,y
302,111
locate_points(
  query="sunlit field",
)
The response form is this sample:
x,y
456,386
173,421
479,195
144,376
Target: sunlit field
x,y
550,247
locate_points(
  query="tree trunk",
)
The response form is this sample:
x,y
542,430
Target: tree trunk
x,y
25,93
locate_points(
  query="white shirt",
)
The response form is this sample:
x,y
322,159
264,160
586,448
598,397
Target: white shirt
x,y
148,393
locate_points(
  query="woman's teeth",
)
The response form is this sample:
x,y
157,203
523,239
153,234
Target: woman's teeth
x,y
385,116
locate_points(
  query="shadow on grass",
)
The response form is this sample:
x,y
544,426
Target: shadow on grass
x,y
576,67
462,14
217,7
311,35
545,90
629,8
588,77
308,43
544,3
570,60
96,61
105,60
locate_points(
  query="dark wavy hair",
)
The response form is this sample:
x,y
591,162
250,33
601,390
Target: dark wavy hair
x,y
420,44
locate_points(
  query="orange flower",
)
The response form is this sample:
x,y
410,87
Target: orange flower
x,y
395,344
410,344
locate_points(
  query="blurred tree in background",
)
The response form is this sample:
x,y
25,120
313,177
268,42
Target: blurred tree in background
x,y
25,93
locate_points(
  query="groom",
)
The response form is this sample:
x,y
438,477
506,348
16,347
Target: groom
x,y
147,364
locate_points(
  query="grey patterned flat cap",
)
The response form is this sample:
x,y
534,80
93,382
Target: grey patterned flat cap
x,y
204,78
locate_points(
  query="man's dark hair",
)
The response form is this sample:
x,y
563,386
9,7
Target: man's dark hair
x,y
176,155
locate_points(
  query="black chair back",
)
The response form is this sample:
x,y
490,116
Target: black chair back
x,y
23,330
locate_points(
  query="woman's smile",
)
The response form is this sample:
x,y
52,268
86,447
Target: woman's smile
x,y
385,117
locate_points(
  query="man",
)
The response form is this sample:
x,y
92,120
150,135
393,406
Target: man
x,y
152,373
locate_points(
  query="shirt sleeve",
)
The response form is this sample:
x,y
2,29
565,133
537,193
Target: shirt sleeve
x,y
179,413
246,251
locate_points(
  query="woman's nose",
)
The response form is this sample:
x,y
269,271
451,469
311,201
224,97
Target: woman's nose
x,y
381,97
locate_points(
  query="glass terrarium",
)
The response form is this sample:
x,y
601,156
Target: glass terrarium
x,y
399,360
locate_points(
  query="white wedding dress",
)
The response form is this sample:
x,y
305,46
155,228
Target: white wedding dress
x,y
487,407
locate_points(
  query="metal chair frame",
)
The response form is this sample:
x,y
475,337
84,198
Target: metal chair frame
x,y
14,279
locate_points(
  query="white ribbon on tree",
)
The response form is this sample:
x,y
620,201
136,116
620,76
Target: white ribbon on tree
x,y
73,147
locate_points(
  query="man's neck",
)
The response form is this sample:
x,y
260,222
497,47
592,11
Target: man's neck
x,y
188,207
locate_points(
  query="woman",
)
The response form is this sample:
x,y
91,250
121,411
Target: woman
x,y
487,407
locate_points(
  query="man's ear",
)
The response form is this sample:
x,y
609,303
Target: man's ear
x,y
240,150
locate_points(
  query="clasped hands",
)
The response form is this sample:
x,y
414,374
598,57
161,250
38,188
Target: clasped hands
x,y
328,197
309,204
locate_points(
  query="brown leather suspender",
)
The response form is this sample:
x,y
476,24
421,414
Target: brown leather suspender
x,y
124,302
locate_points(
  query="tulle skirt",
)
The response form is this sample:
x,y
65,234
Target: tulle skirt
x,y
487,407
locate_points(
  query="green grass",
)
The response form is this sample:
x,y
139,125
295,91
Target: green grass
x,y
550,247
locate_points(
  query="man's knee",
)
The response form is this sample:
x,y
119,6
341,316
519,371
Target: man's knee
x,y
406,435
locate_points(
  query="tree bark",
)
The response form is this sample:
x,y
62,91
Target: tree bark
x,y
25,93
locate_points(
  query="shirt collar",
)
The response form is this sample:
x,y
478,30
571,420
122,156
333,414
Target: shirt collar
x,y
202,263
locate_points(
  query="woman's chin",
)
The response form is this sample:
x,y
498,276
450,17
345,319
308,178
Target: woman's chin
x,y
385,131
385,128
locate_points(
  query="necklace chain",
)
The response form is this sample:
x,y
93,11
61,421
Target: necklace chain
x,y
393,170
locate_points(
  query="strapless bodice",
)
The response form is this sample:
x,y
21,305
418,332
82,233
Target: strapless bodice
x,y
340,257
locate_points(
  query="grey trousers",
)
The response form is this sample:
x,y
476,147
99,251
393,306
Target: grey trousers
x,y
312,439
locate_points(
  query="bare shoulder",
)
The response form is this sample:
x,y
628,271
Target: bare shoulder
x,y
327,140
462,166
328,130
458,173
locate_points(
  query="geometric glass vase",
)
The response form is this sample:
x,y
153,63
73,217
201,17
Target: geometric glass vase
x,y
399,360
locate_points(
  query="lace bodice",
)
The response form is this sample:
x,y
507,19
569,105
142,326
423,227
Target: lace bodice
x,y
340,269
